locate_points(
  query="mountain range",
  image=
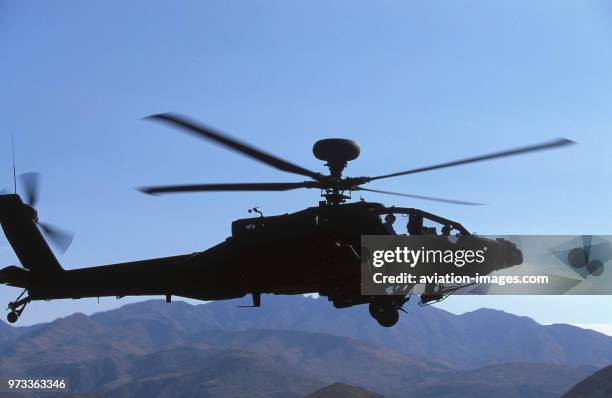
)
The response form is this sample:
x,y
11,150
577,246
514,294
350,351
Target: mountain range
x,y
294,346
598,385
341,390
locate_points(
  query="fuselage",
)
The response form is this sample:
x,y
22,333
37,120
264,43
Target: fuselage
x,y
312,250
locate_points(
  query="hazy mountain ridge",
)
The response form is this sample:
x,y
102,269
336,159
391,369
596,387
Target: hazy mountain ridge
x,y
292,364
294,346
517,380
341,390
597,385
479,338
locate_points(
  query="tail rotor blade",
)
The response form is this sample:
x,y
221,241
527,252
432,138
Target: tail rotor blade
x,y
59,237
31,186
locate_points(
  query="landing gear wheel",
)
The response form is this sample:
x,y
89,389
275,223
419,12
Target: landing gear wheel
x,y
375,310
12,317
388,317
16,307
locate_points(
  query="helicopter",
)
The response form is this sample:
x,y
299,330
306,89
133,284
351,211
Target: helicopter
x,y
314,250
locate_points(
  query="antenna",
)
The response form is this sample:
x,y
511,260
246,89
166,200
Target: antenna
x,y
14,171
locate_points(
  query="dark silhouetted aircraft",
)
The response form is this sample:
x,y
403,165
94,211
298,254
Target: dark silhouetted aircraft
x,y
315,250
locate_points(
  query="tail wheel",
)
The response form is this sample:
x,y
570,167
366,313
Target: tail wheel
x,y
16,307
12,317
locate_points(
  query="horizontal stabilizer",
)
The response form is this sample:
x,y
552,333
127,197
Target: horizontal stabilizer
x,y
15,276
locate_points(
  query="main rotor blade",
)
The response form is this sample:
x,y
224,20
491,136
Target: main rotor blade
x,y
272,186
31,185
59,237
455,202
234,144
511,152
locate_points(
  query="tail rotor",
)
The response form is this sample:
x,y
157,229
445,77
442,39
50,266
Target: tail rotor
x,y
60,238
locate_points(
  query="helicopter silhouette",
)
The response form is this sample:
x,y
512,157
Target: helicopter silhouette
x,y
314,250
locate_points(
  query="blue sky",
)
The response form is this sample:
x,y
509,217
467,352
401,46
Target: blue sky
x,y
414,82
